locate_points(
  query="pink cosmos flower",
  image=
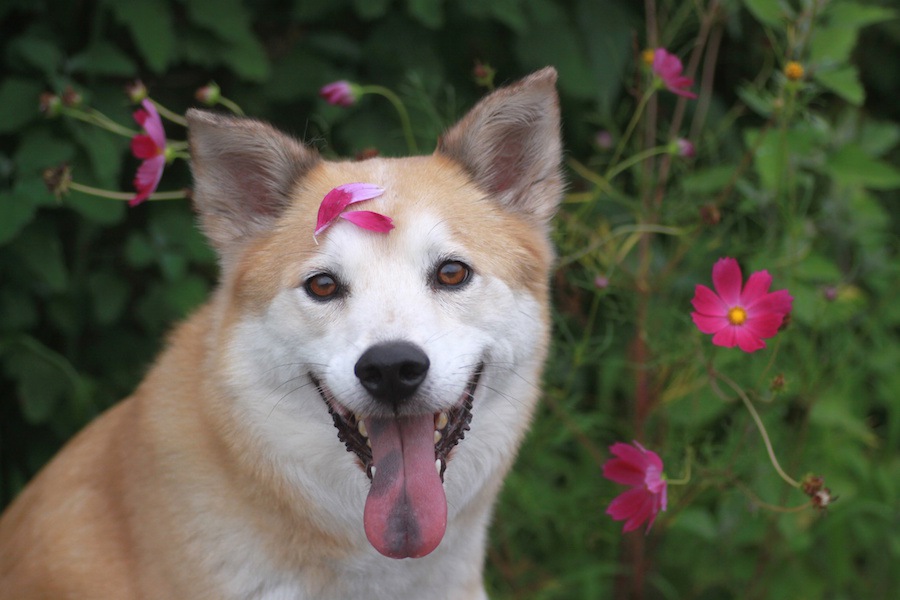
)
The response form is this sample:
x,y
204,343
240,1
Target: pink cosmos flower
x,y
341,197
149,147
641,469
340,93
668,68
739,317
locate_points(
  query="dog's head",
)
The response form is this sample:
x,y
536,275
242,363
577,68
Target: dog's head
x,y
362,359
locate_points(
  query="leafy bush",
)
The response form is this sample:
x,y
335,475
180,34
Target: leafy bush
x,y
792,171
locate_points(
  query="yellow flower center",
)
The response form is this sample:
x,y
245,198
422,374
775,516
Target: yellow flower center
x,y
793,70
647,56
737,316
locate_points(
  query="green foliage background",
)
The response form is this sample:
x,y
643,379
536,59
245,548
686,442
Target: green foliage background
x,y
804,185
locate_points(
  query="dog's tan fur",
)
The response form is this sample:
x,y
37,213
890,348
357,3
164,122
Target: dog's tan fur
x,y
179,491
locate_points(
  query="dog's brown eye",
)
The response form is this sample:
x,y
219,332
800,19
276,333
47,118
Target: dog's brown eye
x,y
452,274
322,287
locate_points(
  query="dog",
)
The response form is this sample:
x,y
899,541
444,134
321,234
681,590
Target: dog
x,y
336,421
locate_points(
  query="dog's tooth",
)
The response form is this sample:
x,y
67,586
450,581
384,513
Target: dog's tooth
x,y
441,421
437,436
361,428
371,471
438,464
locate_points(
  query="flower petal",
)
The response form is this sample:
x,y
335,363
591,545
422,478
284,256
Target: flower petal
x,y
726,337
143,146
367,219
623,472
633,455
757,286
779,301
748,342
727,280
708,324
706,302
339,198
764,325
627,503
152,123
147,178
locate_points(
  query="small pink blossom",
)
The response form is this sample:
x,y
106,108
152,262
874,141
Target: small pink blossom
x,y
340,93
149,147
641,469
738,316
668,68
685,148
335,201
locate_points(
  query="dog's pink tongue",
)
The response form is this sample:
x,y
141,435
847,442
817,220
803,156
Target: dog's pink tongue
x,y
406,510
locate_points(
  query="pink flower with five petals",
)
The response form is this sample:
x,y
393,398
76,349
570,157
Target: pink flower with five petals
x,y
149,147
641,469
736,315
668,68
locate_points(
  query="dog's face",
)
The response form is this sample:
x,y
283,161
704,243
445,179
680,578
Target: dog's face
x,y
388,375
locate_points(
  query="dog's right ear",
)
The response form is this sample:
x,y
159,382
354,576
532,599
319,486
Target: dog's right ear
x,y
244,171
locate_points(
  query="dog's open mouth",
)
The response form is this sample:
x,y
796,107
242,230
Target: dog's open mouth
x,y
405,457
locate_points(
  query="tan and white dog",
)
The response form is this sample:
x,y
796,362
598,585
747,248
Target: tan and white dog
x,y
340,402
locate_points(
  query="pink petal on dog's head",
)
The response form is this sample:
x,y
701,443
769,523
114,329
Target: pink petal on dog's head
x,y
340,198
367,219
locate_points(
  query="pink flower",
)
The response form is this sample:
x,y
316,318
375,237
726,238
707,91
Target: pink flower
x,y
739,317
149,147
340,93
684,148
668,68
643,471
335,201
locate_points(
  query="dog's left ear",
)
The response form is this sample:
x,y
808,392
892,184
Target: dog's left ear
x,y
510,143
244,172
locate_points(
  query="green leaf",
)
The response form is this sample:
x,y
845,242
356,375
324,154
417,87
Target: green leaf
x,y
767,12
109,294
36,52
831,45
429,13
104,150
707,181
19,99
103,59
230,22
556,42
40,385
40,149
850,165
605,29
151,28
16,211
371,9
844,82
851,14
40,251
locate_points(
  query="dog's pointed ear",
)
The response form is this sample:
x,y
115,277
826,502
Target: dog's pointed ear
x,y
244,171
511,145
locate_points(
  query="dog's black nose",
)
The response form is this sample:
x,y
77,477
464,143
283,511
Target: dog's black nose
x,y
392,371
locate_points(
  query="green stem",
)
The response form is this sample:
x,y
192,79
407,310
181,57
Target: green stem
x,y
620,147
231,105
401,111
759,425
635,159
174,117
100,120
687,469
86,189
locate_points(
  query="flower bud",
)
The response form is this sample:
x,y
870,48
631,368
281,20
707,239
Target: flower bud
x,y
209,94
49,104
136,91
57,179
